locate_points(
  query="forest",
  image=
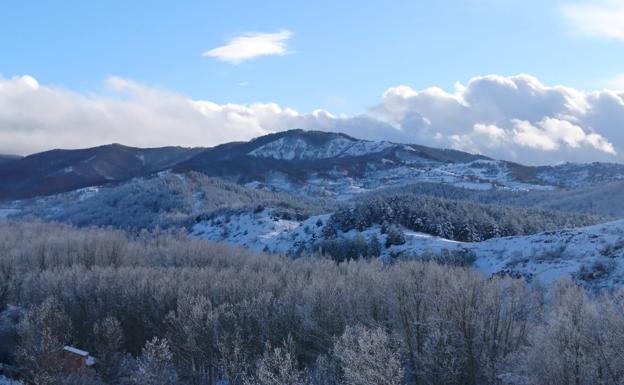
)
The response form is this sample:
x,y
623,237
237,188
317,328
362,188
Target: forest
x,y
459,220
158,308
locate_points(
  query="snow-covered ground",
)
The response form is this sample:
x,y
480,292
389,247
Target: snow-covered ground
x,y
8,381
263,230
594,255
476,175
296,148
406,167
494,172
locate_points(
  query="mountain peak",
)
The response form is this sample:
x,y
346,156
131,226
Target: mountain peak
x,y
309,145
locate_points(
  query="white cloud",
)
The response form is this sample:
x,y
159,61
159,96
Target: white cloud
x,y
550,134
596,18
35,117
516,118
251,45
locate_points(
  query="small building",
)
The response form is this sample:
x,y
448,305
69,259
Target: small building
x,y
75,360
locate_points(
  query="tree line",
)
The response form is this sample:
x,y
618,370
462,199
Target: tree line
x,y
160,308
452,219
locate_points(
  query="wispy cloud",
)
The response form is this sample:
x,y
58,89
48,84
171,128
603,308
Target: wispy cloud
x,y
603,18
250,46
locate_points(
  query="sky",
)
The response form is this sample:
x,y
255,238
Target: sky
x,y
529,81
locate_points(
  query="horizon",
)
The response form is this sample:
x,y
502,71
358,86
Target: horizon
x,y
202,75
285,131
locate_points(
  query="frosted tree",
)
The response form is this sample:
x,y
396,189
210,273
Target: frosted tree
x,y
43,332
367,357
278,366
155,365
109,340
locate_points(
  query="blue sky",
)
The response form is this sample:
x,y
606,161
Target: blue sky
x,y
344,53
102,67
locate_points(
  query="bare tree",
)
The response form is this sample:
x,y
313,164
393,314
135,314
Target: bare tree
x,y
43,332
367,357
155,365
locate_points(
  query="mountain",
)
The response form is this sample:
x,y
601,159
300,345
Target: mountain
x,y
312,163
8,158
314,160
298,192
59,171
334,164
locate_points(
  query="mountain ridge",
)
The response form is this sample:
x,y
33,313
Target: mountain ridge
x,y
310,162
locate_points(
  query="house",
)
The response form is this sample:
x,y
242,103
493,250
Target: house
x,y
74,360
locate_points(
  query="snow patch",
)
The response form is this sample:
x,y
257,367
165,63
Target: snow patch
x,y
297,148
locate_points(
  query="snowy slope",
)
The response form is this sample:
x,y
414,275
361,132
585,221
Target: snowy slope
x,y
262,231
332,164
476,175
290,148
305,162
592,255
574,175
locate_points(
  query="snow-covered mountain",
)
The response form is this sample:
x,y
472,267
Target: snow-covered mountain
x,y
8,158
291,148
267,198
332,164
278,208
313,163
59,171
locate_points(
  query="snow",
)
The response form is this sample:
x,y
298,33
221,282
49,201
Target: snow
x,y
553,254
260,231
7,381
76,351
477,175
493,172
86,193
90,360
297,148
573,175
545,256
408,166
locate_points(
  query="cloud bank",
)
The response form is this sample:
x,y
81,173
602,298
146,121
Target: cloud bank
x,y
250,46
515,118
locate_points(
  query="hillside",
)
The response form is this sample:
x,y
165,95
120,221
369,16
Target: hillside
x,y
59,171
8,158
308,192
311,163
